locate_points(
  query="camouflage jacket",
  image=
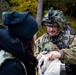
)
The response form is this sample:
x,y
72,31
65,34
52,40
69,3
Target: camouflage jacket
x,y
65,44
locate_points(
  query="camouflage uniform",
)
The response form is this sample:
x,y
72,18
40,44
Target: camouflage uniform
x,y
70,30
60,42
63,43
45,42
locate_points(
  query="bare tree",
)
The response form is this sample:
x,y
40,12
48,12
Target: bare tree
x,y
3,7
39,12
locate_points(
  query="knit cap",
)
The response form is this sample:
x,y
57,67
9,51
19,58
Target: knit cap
x,y
20,24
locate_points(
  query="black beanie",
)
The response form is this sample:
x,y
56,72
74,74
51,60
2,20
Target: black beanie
x,y
20,24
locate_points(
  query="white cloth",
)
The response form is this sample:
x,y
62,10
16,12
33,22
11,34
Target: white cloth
x,y
4,55
49,67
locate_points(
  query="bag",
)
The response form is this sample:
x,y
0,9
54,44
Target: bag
x,y
6,55
46,67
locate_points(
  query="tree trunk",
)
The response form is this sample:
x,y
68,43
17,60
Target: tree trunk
x,y
3,7
39,12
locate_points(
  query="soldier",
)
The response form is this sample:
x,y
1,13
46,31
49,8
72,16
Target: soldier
x,y
69,29
60,45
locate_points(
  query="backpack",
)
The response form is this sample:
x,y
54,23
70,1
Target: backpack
x,y
6,55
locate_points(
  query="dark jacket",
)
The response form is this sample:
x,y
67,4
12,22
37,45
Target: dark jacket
x,y
15,46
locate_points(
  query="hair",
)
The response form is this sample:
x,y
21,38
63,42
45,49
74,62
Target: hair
x,y
29,44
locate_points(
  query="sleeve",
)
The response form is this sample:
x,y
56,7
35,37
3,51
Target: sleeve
x,y
68,56
40,43
12,67
38,46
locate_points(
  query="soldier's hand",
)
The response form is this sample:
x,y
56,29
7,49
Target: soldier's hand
x,y
40,55
54,55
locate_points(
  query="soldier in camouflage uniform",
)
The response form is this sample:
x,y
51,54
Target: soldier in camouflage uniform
x,y
62,46
69,29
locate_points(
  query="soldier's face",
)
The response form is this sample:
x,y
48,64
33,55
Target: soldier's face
x,y
52,31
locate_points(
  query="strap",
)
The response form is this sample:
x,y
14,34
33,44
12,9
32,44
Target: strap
x,y
23,67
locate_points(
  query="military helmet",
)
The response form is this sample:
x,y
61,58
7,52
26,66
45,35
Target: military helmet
x,y
55,18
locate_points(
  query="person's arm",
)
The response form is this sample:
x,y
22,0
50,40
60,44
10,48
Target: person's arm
x,y
38,46
68,56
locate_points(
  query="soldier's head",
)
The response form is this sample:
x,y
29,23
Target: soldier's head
x,y
54,22
68,25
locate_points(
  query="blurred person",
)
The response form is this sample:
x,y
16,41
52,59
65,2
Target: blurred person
x,y
69,29
17,44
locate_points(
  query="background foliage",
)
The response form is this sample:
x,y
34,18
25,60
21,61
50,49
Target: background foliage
x,y
24,5
67,6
